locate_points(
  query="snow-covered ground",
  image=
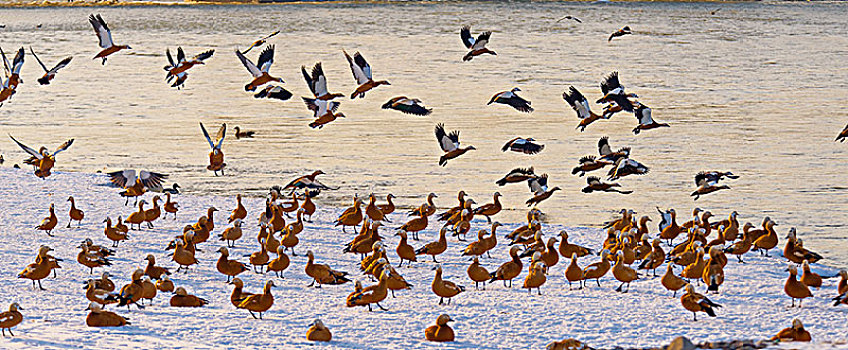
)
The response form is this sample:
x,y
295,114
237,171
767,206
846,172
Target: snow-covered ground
x,y
755,306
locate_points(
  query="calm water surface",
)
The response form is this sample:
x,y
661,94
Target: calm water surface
x,y
758,88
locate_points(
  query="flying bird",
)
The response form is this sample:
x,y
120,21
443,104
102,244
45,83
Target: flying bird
x,y
216,156
105,37
274,91
621,32
626,166
539,188
407,105
606,153
49,74
260,71
12,74
324,111
449,144
478,46
643,115
842,134
179,69
523,145
42,160
707,182
517,175
594,183
571,18
135,184
259,42
317,83
580,105
512,99
362,73
615,96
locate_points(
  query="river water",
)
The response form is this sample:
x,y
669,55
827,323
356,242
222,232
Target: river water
x,y
756,88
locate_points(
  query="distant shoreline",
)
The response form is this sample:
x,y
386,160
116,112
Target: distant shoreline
x,y
123,3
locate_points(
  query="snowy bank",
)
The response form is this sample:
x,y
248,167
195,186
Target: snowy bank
x,y
755,306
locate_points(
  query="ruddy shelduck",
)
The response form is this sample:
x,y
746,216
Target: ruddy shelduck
x,y
181,298
444,289
695,303
362,73
11,318
104,35
794,333
318,332
441,331
216,155
42,160
259,303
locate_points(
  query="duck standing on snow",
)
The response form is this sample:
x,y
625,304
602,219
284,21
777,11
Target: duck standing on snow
x,y
259,302
523,145
478,46
407,105
317,83
643,115
580,105
512,99
259,71
794,288
216,156
49,223
621,32
105,37
11,318
49,74
449,144
260,42
539,188
42,160
695,303
444,289
441,331
362,73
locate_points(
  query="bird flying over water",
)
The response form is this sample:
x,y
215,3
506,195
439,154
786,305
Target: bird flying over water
x,y
621,32
12,74
842,134
362,73
707,182
512,99
643,115
407,105
580,105
594,183
517,175
259,72
539,188
615,96
105,37
477,46
324,111
571,18
317,83
259,42
179,69
523,145
449,144
49,74
626,166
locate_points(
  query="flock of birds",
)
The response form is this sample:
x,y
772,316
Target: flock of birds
x,y
628,242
